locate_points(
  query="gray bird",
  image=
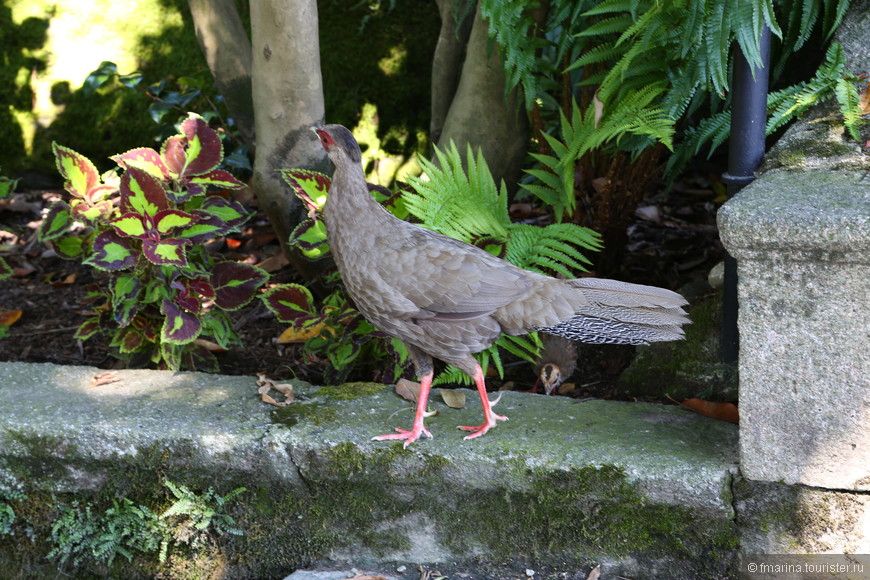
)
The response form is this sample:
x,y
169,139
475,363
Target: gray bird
x,y
446,299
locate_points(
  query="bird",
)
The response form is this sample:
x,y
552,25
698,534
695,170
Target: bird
x,y
556,362
445,299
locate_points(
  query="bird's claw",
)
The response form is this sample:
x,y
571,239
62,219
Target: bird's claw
x,y
409,436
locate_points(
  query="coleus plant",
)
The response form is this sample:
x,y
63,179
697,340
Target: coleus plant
x,y
146,230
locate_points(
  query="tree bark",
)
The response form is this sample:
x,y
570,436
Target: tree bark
x,y
481,114
224,42
447,60
288,101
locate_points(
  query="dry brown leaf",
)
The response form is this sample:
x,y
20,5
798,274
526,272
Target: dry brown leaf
x,y
9,317
273,263
209,345
594,573
365,577
106,378
566,388
265,384
453,399
864,100
599,108
408,390
291,335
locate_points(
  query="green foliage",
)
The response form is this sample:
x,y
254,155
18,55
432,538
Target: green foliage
x,y
654,64
170,100
197,517
82,534
9,492
7,186
462,203
145,230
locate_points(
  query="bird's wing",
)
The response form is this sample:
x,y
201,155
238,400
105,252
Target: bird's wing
x,y
448,279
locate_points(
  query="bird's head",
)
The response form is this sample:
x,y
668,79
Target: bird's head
x,y
551,377
338,143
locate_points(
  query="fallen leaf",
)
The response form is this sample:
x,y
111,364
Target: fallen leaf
x,y
453,399
291,335
105,379
233,243
265,384
273,263
566,388
209,345
68,279
9,317
864,100
716,410
594,573
408,390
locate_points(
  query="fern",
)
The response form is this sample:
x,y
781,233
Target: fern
x,y
660,62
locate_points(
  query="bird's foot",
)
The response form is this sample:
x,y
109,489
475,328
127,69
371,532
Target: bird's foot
x,y
491,421
409,436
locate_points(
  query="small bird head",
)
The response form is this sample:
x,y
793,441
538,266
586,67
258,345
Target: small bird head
x,y
551,377
338,143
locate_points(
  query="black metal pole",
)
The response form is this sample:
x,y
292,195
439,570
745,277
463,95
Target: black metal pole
x,y
745,151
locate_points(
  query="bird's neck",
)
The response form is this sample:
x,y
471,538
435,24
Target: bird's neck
x,y
349,203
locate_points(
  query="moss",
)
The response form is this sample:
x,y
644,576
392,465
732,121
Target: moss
x,y
308,411
349,391
685,369
591,512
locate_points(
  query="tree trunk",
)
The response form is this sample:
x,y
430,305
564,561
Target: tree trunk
x,y
447,61
481,114
288,101
224,42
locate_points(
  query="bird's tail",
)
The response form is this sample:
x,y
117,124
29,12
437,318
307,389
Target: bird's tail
x,y
613,312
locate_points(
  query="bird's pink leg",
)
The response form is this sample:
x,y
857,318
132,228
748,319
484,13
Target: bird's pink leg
x,y
490,418
417,429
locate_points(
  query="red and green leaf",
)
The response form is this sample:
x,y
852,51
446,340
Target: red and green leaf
x,y
145,159
125,294
166,220
235,284
92,213
289,302
217,178
166,252
142,193
88,328
179,325
310,237
111,252
232,213
80,174
309,186
57,221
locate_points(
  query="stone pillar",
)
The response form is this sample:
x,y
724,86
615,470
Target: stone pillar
x,y
801,238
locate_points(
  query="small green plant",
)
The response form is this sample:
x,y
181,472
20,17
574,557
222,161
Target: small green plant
x,y
464,204
79,534
194,517
82,534
146,230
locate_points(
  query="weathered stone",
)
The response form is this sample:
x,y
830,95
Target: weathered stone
x,y
560,486
802,242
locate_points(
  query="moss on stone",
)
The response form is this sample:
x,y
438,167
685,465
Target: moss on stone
x,y
309,411
350,391
687,368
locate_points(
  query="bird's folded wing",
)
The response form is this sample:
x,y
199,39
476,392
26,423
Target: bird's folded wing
x,y
448,279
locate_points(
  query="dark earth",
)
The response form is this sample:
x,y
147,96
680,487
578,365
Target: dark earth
x,y
672,241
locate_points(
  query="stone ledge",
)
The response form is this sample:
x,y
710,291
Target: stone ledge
x,y
562,482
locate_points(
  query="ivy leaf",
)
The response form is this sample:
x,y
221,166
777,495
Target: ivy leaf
x,y
111,252
179,326
235,284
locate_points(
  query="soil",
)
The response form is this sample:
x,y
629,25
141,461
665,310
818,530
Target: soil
x,y
672,241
